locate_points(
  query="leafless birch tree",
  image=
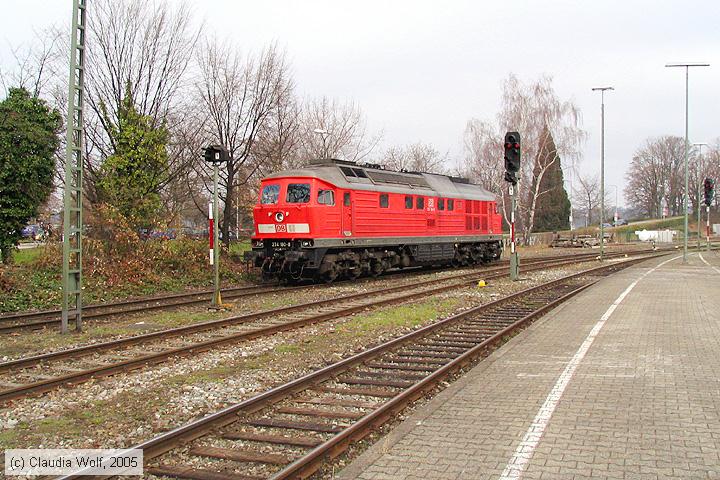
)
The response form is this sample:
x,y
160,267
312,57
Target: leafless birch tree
x,y
540,116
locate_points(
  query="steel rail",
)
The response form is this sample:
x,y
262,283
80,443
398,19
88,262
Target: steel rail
x,y
47,318
234,320
103,370
305,465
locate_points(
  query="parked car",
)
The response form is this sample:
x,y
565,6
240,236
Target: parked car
x,y
606,225
620,221
33,232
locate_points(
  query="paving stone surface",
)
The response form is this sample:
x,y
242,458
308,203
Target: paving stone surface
x,y
643,403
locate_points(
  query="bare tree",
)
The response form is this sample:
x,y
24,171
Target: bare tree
x,y
416,157
701,166
587,196
542,118
37,63
241,96
656,178
278,143
346,135
146,46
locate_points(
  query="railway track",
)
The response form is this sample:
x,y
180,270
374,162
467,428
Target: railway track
x,y
292,430
40,373
29,321
49,318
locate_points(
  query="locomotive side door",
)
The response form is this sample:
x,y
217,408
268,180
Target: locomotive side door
x,y
347,225
431,213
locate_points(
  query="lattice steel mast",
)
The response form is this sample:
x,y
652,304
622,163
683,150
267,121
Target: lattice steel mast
x,y
72,221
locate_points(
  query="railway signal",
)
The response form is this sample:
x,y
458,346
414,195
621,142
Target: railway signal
x,y
709,186
512,166
215,154
512,156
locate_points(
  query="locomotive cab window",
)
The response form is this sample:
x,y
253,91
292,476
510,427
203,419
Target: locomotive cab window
x,y
451,204
298,193
408,201
346,199
384,202
270,194
420,203
441,204
326,197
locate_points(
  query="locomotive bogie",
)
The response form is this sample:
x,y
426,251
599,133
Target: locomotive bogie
x,y
329,264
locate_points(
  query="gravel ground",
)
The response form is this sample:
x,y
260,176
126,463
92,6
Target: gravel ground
x,y
123,410
27,343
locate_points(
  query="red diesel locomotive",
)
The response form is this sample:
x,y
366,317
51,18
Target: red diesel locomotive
x,y
337,218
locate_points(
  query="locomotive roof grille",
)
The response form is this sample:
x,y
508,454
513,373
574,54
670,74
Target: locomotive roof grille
x,y
392,177
353,172
349,174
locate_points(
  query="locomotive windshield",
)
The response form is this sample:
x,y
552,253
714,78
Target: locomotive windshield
x,y
270,194
298,193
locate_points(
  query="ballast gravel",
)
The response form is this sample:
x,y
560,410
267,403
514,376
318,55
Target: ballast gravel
x,y
128,408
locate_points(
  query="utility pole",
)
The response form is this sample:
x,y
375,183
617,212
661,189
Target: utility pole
x,y
602,168
72,199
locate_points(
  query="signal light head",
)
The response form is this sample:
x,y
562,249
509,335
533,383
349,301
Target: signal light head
x,y
512,156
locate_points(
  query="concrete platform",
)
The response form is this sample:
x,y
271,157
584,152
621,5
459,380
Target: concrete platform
x,y
623,381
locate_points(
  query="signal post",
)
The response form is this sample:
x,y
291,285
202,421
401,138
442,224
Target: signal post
x,y
215,154
512,166
709,187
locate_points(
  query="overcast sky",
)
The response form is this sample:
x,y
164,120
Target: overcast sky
x,y
421,69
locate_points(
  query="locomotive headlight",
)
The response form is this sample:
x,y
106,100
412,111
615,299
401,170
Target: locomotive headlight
x,y
257,243
306,243
279,217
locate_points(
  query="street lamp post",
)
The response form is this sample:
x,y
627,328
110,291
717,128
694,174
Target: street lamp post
x,y
687,145
323,134
602,167
699,208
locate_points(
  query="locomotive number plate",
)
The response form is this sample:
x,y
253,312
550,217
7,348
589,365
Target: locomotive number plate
x,y
280,244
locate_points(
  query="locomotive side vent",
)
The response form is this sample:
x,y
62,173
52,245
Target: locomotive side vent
x,y
390,177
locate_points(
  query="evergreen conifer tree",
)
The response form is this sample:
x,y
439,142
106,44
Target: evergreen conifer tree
x,y
552,212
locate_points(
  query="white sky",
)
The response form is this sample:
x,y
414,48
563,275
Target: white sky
x,y
421,69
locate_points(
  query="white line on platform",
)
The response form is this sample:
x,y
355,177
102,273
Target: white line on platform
x,y
708,264
526,448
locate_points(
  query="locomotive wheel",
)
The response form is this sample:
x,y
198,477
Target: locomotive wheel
x,y
328,275
376,269
353,273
